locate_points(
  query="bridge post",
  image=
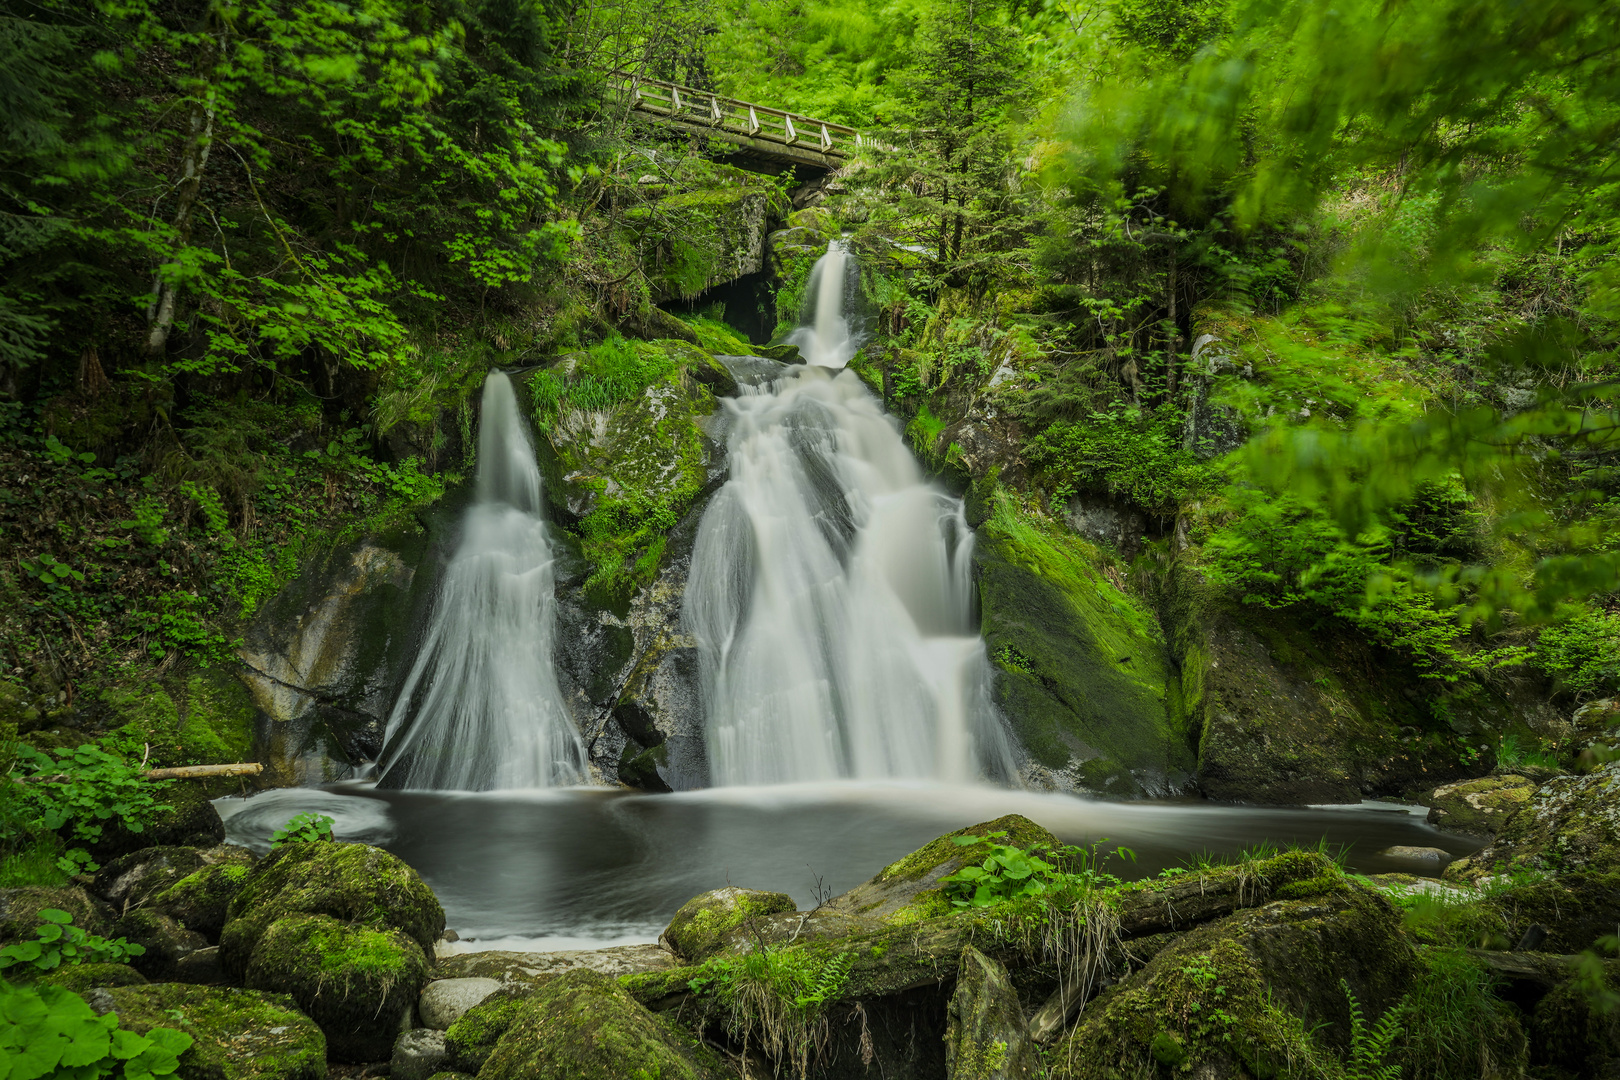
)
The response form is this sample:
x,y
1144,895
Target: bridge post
x,y
753,121
792,135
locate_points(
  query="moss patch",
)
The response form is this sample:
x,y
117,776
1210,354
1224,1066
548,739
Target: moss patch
x,y
240,1034
699,928
201,900
82,977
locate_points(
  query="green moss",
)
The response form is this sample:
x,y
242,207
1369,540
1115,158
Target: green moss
x,y
359,985
1020,832
239,1034
200,900
82,977
470,1040
700,926
1577,908
1572,1028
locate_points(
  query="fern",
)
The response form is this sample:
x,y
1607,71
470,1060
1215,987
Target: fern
x,y
828,982
1369,1046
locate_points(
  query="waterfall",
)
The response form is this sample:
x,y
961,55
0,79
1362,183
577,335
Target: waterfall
x,y
830,593
481,708
826,338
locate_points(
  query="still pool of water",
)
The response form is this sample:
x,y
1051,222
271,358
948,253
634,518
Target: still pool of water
x,y
584,868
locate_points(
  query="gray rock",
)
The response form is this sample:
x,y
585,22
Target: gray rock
x,y
985,1034
1098,518
1417,854
528,967
444,1002
201,968
418,1054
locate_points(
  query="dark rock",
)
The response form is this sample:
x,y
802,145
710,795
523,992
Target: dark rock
x,y
360,985
191,821
130,879
1570,1030
986,1037
200,900
1102,521
1574,908
419,1054
202,967
20,908
238,1034
166,942
655,324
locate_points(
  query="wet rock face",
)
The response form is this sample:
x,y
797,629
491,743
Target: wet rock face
x,y
1478,807
321,658
238,1034
1101,521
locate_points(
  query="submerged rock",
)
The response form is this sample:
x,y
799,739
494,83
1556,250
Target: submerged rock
x,y
584,1026
700,928
986,1037
1478,807
360,985
239,1034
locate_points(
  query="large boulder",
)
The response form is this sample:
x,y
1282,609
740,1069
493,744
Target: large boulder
x,y
352,883
444,1001
1082,672
700,928
1478,807
1241,996
20,908
360,985
1575,909
201,900
128,880
584,1026
986,1037
1570,823
1572,1030
189,821
238,1034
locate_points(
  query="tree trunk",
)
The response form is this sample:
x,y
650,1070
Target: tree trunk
x,y
194,159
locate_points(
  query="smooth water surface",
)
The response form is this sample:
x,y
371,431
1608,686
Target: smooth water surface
x,y
584,868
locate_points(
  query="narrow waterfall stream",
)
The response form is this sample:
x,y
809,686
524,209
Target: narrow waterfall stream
x,y
830,593
481,708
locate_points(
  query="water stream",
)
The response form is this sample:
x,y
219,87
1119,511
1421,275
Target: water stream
x,y
481,708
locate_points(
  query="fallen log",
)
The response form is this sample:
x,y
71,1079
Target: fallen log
x,y
198,772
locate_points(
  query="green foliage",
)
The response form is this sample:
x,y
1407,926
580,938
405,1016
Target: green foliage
x,y
613,371
50,571
47,1031
59,942
1008,872
1461,1028
776,996
1511,754
78,791
1129,454
1371,1045
306,828
1582,652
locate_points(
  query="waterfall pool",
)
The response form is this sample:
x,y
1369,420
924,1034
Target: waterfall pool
x,y
584,868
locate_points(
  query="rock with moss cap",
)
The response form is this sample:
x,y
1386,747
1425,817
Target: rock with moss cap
x,y
1241,997
238,1034
200,900
700,927
359,984
1575,908
584,1026
82,977
352,883
470,1041
986,1037
190,821
1570,823
1478,807
20,908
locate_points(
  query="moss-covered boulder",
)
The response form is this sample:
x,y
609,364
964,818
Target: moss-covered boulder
x,y
352,883
166,942
1573,1031
204,718
20,908
584,1026
84,977
190,821
1478,807
360,985
470,1041
129,880
1082,672
1570,823
1241,997
1576,909
986,1037
699,928
238,1034
200,900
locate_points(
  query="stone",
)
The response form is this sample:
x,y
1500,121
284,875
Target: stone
x,y
202,967
190,821
584,1026
527,968
1569,823
444,1001
20,908
1436,856
1478,807
699,928
986,1037
129,880
166,942
360,985
352,883
84,977
418,1055
1576,908
201,900
238,1034
1571,1031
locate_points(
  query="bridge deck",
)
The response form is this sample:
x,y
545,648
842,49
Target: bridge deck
x,y
773,134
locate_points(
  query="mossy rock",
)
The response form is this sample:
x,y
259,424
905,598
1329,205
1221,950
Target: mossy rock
x,y
352,883
82,977
207,720
200,900
1570,823
190,821
1577,908
20,908
238,1034
986,1036
699,928
1241,996
1478,807
358,984
1082,672
1570,1031
472,1039
585,1026
130,880
908,890
166,942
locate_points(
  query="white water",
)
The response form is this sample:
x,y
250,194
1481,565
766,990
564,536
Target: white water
x,y
827,338
481,708
830,595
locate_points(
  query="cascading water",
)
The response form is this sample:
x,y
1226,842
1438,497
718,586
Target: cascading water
x,y
827,338
481,708
829,592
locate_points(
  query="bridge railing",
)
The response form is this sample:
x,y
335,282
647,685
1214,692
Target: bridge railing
x,y
705,108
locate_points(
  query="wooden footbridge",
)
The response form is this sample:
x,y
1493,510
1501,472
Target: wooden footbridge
x,y
772,136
